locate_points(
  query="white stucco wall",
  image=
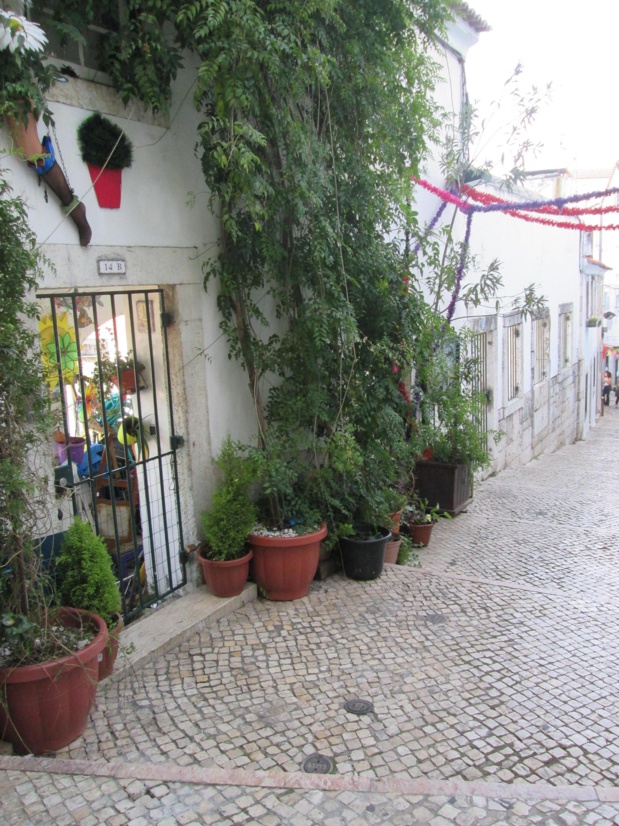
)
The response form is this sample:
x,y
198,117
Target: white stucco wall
x,y
164,243
554,411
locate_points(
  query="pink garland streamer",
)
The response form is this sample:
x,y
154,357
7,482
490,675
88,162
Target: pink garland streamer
x,y
519,210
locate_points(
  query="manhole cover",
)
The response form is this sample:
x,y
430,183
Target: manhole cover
x,y
359,706
317,764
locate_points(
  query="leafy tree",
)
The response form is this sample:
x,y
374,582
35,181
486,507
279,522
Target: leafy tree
x,y
25,421
314,116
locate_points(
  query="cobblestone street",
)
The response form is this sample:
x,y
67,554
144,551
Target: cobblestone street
x,y
492,670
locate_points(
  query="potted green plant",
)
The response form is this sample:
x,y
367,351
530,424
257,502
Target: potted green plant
x,y
363,551
227,523
85,579
420,518
363,542
48,654
454,444
118,373
106,150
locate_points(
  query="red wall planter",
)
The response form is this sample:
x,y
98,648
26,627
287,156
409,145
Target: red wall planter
x,y
108,184
284,567
45,707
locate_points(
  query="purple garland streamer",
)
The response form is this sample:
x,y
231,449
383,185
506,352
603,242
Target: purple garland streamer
x,y
529,205
431,226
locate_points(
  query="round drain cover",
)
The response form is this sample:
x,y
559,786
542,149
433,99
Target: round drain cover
x,y
317,764
359,706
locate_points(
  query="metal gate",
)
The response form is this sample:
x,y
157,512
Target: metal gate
x,y
479,355
105,358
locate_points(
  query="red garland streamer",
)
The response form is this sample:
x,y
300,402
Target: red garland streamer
x,y
534,219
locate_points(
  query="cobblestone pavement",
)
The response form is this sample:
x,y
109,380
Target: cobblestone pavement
x,y
492,670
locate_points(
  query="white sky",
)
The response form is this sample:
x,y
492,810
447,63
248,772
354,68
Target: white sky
x,y
573,45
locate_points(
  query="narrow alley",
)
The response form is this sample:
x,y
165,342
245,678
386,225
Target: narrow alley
x,y
492,670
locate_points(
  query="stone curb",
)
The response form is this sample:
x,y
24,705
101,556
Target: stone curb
x,y
194,775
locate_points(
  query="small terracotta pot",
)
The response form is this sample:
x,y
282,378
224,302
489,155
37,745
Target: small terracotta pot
x,y
392,549
128,381
395,522
420,534
225,579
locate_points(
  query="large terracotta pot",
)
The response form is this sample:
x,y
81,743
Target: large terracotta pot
x,y
45,707
284,567
108,656
225,578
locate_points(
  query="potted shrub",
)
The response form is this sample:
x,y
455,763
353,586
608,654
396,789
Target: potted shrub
x,y
287,536
86,580
363,552
48,655
115,374
453,442
363,542
228,522
106,150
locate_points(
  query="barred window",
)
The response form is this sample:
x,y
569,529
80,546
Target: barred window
x,y
513,337
565,339
541,349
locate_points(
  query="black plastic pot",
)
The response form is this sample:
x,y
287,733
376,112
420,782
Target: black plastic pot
x,y
364,558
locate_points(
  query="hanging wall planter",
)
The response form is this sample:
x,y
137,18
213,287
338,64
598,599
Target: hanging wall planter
x,y
108,186
107,151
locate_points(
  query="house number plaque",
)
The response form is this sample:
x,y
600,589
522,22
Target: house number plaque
x,y
112,267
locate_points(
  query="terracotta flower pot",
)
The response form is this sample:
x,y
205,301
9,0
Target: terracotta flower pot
x,y
392,549
225,579
45,707
108,186
395,522
108,656
284,567
420,534
128,381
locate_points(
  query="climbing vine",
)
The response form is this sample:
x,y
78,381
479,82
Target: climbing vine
x,y
314,116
